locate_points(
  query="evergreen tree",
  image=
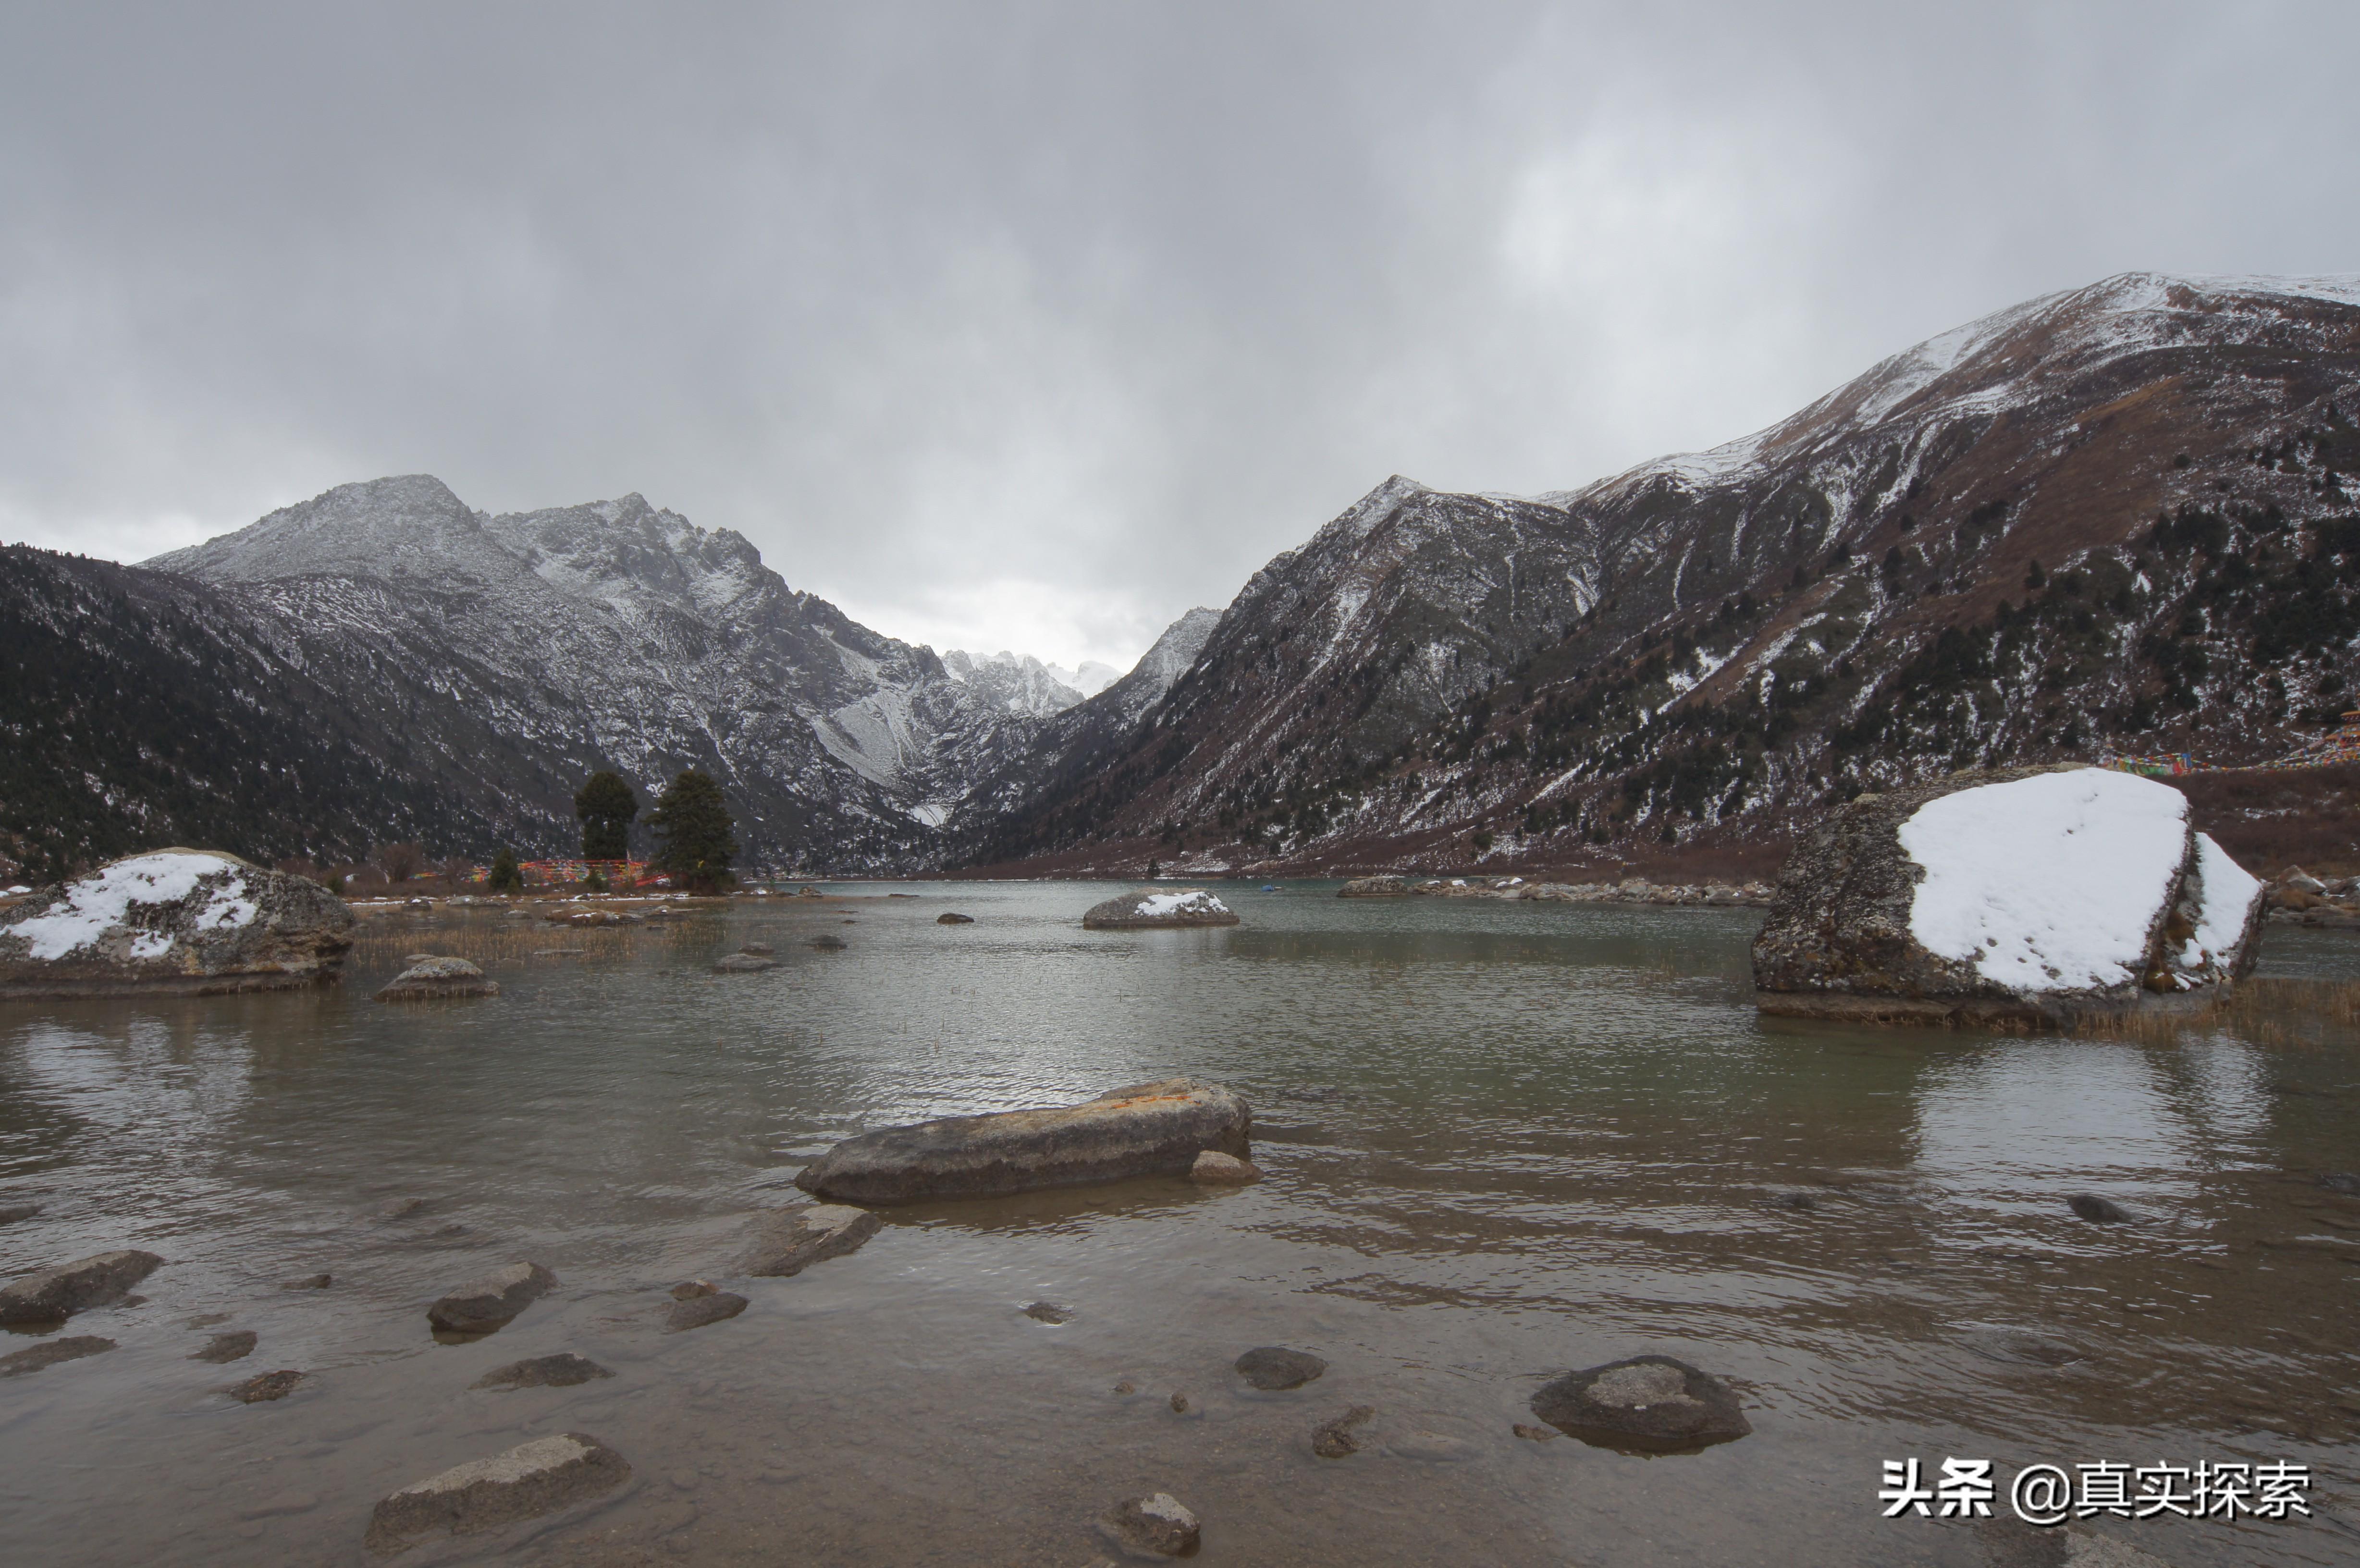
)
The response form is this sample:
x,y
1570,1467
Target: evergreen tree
x,y
506,876
606,806
692,827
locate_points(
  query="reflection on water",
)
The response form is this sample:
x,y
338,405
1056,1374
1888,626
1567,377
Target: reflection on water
x,y
1502,1140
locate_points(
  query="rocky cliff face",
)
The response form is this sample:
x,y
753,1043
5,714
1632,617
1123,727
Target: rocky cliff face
x,y
2112,519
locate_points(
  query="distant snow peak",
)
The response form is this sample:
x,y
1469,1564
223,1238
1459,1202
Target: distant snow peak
x,y
1017,683
1090,678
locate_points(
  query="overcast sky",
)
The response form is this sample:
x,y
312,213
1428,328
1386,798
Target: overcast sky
x,y
1031,325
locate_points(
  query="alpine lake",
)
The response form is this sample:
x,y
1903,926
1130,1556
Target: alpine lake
x,y
1501,1140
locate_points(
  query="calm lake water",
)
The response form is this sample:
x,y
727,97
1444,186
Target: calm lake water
x,y
1502,1141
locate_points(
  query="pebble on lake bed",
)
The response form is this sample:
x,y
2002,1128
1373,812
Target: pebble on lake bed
x,y
270,1385
1335,1440
49,1353
526,1482
1269,1367
482,1305
1646,1404
1158,1523
562,1370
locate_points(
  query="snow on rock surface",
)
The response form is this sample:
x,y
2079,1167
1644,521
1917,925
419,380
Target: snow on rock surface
x,y
104,902
2051,883
1135,912
2229,906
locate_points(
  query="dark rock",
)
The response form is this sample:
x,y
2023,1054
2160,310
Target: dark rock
x,y
1049,1312
1147,1129
526,1482
689,1289
1126,1387
224,1348
1374,888
1334,1440
2341,1181
437,978
49,1352
2018,1347
825,943
744,964
1156,911
270,1386
173,923
308,1283
788,1241
1214,1169
1179,1403
1157,1523
2098,1210
1801,1202
699,1311
12,1213
54,1295
480,1306
1269,1367
560,1371
1839,940
947,918
1645,1404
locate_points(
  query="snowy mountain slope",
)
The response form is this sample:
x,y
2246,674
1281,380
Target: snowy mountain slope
x,y
1954,558
1015,681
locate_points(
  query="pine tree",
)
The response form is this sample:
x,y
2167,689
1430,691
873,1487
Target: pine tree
x,y
506,877
606,807
692,824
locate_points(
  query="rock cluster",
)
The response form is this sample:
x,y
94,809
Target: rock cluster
x,y
2297,896
2028,895
1147,1129
1157,910
175,922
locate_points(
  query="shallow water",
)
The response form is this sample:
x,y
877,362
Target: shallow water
x,y
1502,1140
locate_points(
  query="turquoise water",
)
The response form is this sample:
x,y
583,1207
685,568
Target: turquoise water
x,y
1501,1139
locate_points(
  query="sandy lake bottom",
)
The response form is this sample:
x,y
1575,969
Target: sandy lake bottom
x,y
1502,1141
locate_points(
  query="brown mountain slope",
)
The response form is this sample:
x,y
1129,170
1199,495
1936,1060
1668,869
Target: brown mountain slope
x,y
2112,520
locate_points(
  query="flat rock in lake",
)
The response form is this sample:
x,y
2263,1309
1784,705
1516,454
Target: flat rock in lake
x,y
948,918
223,1348
526,1482
175,922
699,1311
1158,1523
1647,1403
435,978
1214,1169
54,1295
1272,1367
744,964
270,1385
562,1370
480,1306
1146,1129
788,1241
49,1352
1154,910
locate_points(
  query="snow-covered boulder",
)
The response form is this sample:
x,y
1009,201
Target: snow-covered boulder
x,y
173,923
2028,895
1151,910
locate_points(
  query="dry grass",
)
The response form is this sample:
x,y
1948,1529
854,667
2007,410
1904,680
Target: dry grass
x,y
2266,1012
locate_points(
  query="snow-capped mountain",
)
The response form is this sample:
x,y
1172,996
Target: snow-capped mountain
x,y
1956,558
1016,681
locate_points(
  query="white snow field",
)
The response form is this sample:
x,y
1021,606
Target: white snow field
x,y
2051,883
1196,902
102,900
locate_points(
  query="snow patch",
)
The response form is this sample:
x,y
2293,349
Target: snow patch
x,y
2229,894
2049,883
103,901
1196,902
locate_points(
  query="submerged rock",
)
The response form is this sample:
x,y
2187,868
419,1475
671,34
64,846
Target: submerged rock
x,y
223,1348
2098,1210
1153,910
270,1385
1147,1129
1049,1312
699,1311
1374,888
1647,1403
756,949
1272,1367
788,1241
438,977
744,964
308,1283
2342,1182
2025,895
49,1352
1215,1169
1158,1523
947,918
54,1295
2018,1347
1335,1440
562,1370
526,1482
175,922
826,943
480,1306
11,1213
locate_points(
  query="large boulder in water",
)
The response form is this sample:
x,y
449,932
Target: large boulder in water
x,y
176,922
1152,910
1148,1129
2029,895
430,979
54,1295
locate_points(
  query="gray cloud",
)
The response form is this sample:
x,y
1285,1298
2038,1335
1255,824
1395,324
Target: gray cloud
x,y
1033,324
